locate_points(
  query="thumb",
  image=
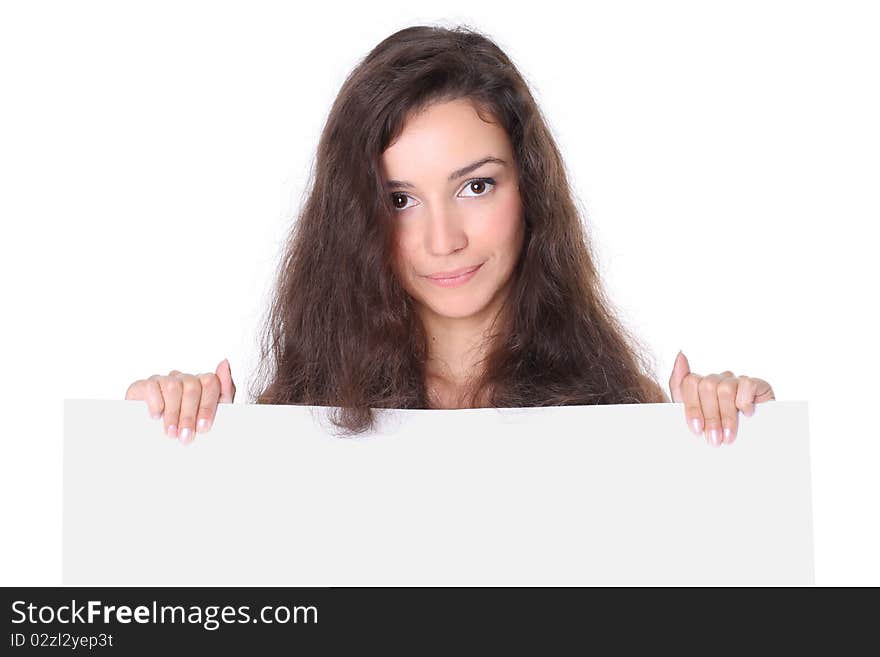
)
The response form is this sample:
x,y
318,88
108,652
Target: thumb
x,y
680,369
227,387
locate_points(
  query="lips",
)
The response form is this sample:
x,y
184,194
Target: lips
x,y
454,273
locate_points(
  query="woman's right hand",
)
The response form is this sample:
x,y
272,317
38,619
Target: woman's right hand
x,y
186,402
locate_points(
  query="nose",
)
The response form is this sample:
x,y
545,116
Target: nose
x,y
445,233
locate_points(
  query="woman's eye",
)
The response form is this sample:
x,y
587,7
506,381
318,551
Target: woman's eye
x,y
477,187
399,198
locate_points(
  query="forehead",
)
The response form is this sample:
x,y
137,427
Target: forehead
x,y
443,137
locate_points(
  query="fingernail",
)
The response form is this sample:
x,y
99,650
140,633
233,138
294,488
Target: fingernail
x,y
185,435
728,435
696,426
171,431
201,425
714,437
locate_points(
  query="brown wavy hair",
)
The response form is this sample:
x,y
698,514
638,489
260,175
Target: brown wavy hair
x,y
341,331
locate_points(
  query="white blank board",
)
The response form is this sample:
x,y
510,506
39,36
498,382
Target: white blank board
x,y
556,496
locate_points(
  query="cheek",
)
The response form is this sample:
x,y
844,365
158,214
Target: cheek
x,y
501,228
403,256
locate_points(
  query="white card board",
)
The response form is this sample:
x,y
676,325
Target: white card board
x,y
556,496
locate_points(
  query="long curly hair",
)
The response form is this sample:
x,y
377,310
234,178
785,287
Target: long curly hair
x,y
341,330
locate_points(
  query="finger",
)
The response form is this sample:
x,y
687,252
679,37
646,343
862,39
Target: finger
x,y
745,395
153,397
147,391
691,397
763,391
135,391
708,390
227,387
172,391
680,369
208,404
189,407
727,390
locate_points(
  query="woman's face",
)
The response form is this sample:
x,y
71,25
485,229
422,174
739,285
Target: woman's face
x,y
448,217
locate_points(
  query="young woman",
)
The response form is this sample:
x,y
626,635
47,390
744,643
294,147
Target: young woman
x,y
439,261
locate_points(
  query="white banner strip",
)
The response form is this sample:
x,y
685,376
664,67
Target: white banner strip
x,y
556,496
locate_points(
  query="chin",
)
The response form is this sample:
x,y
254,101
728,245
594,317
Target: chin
x,y
457,309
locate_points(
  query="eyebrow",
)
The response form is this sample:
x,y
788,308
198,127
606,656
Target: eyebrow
x,y
455,175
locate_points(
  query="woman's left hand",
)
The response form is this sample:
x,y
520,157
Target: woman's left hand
x,y
713,401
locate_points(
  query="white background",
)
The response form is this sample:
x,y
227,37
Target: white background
x,y
152,156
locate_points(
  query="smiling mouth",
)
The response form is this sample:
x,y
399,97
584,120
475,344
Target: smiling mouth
x,y
462,272
454,281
